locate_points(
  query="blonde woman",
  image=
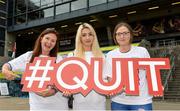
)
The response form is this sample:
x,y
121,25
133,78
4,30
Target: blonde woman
x,y
87,47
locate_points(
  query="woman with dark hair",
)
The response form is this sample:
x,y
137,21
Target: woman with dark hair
x,y
123,37
46,46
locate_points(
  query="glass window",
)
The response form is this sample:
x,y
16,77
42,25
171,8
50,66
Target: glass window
x,y
2,15
20,7
3,5
9,22
33,16
96,2
20,19
46,3
62,8
10,8
2,21
79,4
41,14
111,0
2,32
34,4
48,12
61,1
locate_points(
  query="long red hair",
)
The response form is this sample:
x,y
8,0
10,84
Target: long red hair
x,y
37,47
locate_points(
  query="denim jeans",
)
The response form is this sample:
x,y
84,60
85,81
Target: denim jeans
x,y
117,106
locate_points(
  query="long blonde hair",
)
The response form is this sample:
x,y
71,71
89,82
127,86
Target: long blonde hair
x,y
79,50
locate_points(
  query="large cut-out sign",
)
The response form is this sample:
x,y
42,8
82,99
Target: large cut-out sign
x,y
77,76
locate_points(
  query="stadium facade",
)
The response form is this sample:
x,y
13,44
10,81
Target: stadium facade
x,y
23,20
3,16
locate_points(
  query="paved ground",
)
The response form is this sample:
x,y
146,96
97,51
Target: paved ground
x,y
11,103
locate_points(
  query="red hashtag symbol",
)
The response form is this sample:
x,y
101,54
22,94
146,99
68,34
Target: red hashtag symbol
x,y
38,74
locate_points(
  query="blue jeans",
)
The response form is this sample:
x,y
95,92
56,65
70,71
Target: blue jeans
x,y
117,106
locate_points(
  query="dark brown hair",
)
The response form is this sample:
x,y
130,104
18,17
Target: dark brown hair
x,y
125,25
37,47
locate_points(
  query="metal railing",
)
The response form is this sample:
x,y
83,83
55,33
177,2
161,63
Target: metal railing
x,y
166,43
169,74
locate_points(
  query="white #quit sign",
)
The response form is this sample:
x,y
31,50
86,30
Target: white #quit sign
x,y
77,76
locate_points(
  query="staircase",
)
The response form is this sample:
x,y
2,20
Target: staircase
x,y
173,92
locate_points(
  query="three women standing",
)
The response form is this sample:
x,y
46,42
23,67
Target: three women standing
x,y
86,47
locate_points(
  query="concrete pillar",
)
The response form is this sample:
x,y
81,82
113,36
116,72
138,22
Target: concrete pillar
x,y
10,39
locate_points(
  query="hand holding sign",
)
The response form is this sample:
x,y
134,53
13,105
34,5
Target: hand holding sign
x,y
75,75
